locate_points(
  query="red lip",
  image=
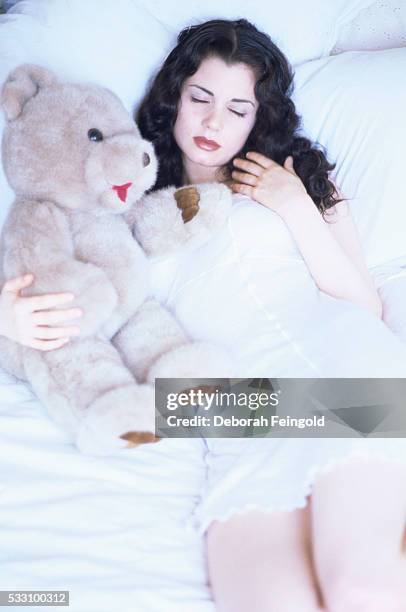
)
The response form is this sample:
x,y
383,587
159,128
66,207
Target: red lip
x,y
206,145
122,190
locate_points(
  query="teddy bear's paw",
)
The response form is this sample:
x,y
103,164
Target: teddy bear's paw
x,y
159,222
187,200
136,438
214,207
127,410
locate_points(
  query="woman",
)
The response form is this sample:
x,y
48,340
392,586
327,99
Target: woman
x,y
220,110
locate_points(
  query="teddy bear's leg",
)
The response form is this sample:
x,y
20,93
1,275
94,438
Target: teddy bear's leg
x,y
153,344
193,360
88,390
151,332
11,357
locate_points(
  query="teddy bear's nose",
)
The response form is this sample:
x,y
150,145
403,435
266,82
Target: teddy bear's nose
x,y
146,160
122,190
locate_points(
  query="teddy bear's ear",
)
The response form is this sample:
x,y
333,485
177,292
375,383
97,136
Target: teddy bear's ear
x,y
22,84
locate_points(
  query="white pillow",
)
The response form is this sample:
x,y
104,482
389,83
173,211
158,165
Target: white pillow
x,y
354,104
379,26
115,44
304,30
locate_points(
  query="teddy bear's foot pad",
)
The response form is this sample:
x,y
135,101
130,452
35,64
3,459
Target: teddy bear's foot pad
x,y
121,418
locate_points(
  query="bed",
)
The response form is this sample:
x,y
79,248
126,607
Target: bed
x,y
110,530
116,532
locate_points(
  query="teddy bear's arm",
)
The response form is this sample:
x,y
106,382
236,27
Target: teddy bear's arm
x,y
167,219
37,239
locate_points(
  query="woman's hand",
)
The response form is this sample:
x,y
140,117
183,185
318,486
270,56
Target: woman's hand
x,y
265,181
28,321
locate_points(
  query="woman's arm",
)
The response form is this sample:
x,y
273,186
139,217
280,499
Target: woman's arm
x,y
331,250
332,253
341,225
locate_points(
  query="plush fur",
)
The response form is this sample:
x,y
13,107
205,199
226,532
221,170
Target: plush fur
x,y
74,229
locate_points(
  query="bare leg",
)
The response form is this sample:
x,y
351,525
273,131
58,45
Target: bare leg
x,y
262,561
359,513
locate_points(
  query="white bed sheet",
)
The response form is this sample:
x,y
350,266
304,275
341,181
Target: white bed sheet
x,y
113,531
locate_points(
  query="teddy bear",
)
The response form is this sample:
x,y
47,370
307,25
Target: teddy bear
x,y
82,221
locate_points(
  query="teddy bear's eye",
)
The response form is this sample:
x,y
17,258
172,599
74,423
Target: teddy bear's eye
x,y
95,135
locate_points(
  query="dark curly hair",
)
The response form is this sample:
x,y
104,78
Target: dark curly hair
x,y
276,130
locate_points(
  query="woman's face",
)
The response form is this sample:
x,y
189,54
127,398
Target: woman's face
x,y
216,113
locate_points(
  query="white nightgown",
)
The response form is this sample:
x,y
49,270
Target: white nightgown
x,y
248,289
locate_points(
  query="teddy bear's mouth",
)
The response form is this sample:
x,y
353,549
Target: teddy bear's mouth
x,y
122,190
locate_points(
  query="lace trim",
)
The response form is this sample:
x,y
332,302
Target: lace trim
x,y
316,470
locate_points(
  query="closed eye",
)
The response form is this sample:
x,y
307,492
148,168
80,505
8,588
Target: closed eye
x,y
207,102
201,101
237,113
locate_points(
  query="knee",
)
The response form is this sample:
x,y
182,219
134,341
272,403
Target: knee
x,y
351,596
